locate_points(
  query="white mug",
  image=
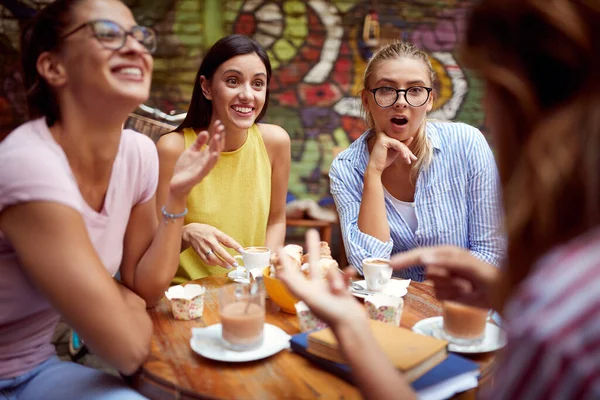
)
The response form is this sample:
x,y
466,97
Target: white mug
x,y
377,272
254,257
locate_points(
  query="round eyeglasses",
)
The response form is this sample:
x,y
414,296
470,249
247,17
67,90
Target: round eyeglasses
x,y
415,96
113,36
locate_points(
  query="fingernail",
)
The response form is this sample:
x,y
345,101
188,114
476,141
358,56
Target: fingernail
x,y
240,249
235,264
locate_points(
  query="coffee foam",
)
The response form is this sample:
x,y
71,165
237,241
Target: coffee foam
x,y
256,250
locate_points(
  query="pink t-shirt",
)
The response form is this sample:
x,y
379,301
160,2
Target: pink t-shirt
x,y
34,167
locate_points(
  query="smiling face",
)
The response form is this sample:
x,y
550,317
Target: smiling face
x,y
96,75
400,120
238,91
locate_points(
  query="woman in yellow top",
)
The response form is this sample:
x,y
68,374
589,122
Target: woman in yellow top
x,y
241,202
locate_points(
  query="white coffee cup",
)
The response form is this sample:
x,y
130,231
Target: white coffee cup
x,y
377,272
254,257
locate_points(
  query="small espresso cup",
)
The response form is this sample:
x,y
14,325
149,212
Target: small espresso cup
x,y
464,325
254,257
377,272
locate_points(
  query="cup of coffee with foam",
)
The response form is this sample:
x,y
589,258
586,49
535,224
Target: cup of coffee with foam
x,y
254,257
377,272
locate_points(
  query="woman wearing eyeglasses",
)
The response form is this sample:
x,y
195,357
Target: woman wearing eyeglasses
x,y
546,125
408,182
77,204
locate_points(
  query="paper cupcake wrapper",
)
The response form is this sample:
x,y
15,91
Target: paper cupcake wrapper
x,y
387,314
186,310
308,321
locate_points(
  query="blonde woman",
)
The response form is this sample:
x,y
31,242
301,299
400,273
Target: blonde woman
x,y
406,182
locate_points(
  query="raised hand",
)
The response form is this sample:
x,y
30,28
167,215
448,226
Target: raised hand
x,y
208,242
386,150
328,298
456,273
197,160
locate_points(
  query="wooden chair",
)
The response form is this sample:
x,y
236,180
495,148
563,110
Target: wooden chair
x,y
148,126
323,227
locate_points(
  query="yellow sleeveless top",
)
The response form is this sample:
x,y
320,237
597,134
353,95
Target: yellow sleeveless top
x,y
235,197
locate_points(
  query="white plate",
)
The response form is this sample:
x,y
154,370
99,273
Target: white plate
x,y
396,287
207,342
495,337
236,277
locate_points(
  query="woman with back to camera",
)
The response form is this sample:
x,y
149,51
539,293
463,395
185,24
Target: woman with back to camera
x,y
242,201
408,182
77,204
540,63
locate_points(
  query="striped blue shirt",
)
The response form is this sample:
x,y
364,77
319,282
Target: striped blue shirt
x,y
457,199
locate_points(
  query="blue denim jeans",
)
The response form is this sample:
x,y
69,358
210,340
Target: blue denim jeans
x,y
55,379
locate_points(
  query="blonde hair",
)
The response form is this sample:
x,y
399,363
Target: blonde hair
x,y
395,50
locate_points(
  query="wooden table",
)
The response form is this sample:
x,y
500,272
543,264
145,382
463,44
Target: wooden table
x,y
174,371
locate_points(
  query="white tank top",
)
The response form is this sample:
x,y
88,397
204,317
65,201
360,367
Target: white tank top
x,y
406,209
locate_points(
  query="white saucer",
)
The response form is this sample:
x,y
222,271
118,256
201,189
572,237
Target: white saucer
x,y
236,277
495,337
395,287
207,342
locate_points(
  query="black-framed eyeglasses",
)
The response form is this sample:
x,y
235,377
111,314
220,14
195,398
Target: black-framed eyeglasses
x,y
113,36
415,96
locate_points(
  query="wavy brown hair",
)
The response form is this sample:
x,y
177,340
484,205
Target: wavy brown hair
x,y
540,60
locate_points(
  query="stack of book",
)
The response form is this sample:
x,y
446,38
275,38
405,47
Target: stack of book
x,y
423,360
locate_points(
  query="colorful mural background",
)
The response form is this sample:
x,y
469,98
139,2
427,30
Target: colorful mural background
x,y
318,56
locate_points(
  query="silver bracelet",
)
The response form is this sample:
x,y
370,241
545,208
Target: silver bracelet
x,y
167,216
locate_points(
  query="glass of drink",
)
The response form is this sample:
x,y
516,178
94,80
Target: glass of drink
x,y
464,325
242,313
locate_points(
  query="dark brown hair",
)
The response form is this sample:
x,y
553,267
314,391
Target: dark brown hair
x,y
540,61
200,109
43,33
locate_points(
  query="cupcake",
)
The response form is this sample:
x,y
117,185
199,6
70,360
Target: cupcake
x,y
187,302
308,321
385,308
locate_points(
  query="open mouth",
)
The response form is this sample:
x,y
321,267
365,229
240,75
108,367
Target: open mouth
x,y
400,121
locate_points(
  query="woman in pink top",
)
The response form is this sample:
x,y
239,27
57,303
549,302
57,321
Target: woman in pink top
x,y
540,61
77,204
